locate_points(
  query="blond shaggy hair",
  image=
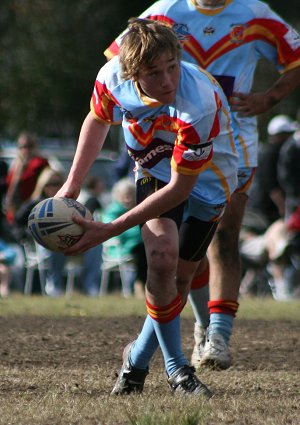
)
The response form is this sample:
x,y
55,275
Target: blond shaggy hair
x,y
144,42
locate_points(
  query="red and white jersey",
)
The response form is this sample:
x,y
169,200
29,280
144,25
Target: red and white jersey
x,y
193,135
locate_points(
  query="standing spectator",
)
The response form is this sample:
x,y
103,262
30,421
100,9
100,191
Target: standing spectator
x,y
275,185
267,196
23,174
228,38
289,178
289,172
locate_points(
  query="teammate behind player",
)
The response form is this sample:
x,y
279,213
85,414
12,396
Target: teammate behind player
x,y
228,37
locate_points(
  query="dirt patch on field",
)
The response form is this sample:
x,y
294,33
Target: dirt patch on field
x,y
81,356
29,341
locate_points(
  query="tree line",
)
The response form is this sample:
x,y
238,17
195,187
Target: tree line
x,y
51,51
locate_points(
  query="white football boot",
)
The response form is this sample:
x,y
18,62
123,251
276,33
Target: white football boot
x,y
216,354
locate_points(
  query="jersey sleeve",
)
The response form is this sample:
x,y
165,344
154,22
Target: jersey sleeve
x,y
113,49
194,145
103,104
277,41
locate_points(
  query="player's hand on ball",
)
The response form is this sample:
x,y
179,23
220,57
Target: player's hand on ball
x,y
68,190
94,233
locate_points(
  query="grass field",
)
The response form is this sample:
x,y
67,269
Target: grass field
x,y
59,359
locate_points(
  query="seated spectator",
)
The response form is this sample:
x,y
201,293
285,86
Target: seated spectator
x,y
23,174
7,259
130,241
48,183
273,251
90,196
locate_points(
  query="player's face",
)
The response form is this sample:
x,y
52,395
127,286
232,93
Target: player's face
x,y
160,80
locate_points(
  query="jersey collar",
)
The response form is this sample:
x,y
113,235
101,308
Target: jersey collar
x,y
148,101
207,11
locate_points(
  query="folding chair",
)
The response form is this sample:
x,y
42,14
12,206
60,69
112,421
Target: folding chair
x,y
33,262
116,262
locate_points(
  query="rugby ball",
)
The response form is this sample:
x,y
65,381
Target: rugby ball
x,y
50,223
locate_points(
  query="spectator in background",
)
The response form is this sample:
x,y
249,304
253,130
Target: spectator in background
x,y
124,166
91,195
92,259
23,174
3,188
267,196
289,172
277,177
7,259
289,178
48,183
130,242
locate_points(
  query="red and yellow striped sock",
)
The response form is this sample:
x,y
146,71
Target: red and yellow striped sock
x,y
223,306
165,313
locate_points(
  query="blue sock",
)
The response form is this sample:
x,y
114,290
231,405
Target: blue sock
x,y
145,346
222,324
198,299
169,337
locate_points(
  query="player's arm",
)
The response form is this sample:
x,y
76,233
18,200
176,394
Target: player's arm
x,y
175,192
91,139
256,103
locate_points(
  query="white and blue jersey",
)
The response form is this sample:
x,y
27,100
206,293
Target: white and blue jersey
x,y
228,42
193,135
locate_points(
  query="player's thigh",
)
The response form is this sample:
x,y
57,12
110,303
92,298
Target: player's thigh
x,y
233,215
149,185
160,235
198,228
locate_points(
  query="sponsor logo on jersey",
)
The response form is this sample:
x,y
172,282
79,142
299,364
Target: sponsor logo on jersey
x,y
292,37
181,31
153,154
196,153
209,30
237,33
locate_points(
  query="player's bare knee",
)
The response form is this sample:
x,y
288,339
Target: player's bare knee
x,y
162,261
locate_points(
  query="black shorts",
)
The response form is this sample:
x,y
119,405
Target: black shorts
x,y
194,235
194,238
148,185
